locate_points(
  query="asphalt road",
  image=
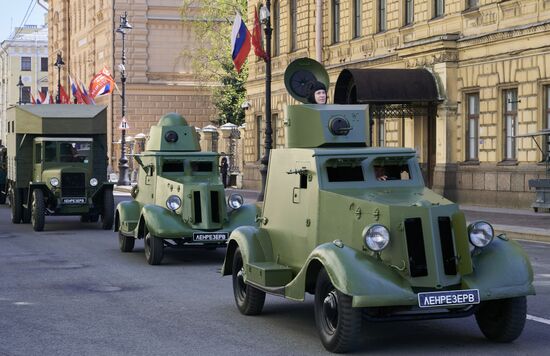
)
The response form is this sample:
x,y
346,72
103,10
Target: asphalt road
x,y
69,291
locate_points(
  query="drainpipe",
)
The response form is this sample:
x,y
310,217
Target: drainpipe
x,y
318,30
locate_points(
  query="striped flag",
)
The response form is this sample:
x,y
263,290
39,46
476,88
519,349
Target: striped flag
x,y
240,42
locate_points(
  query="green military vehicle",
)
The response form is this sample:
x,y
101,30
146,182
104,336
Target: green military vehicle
x,y
356,227
3,171
180,199
57,164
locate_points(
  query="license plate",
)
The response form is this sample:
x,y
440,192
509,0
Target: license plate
x,y
73,200
210,236
453,297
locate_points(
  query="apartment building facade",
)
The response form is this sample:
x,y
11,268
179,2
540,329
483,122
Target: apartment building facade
x,y
490,60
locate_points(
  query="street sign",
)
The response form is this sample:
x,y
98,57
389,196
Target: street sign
x,y
124,124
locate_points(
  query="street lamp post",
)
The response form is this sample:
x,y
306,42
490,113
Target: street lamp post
x,y
123,178
58,63
266,21
20,86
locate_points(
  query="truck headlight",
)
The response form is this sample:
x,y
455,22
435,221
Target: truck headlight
x,y
235,201
54,181
173,202
93,182
376,237
480,233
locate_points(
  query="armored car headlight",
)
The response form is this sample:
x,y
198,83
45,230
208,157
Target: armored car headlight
x,y
93,182
173,202
54,181
376,237
235,201
480,233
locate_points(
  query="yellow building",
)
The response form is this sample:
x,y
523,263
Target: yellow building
x,y
25,55
160,78
490,60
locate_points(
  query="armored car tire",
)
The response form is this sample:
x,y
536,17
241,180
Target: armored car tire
x,y
154,249
38,210
339,324
502,320
16,206
250,300
125,243
107,215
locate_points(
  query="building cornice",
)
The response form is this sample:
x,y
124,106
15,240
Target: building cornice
x,y
504,34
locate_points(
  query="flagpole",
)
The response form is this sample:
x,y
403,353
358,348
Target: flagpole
x,y
266,20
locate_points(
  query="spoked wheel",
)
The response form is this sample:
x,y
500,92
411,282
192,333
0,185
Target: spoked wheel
x,y
107,214
154,249
502,320
38,210
339,324
126,243
250,300
16,206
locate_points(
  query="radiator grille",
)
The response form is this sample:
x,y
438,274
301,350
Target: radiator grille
x,y
197,207
215,206
73,185
447,245
415,247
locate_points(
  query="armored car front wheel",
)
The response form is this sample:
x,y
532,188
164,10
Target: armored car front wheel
x,y
339,324
154,249
250,300
38,210
126,243
502,320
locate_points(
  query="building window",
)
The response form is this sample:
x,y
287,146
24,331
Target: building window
x,y
26,64
381,15
409,12
439,8
473,4
44,64
335,21
293,26
276,28
356,18
510,97
472,127
25,95
259,147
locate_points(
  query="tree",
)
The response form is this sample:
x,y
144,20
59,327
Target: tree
x,y
212,21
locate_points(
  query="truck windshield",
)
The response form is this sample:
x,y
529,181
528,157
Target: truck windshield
x,y
77,152
391,168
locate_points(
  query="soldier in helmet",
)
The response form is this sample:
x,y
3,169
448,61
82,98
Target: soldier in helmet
x,y
317,93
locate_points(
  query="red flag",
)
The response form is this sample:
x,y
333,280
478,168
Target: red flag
x,y
101,84
257,37
33,101
63,96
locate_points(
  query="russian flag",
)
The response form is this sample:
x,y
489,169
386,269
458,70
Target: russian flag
x,y
240,42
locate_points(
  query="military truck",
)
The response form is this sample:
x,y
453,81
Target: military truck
x,y
180,198
356,227
3,171
57,164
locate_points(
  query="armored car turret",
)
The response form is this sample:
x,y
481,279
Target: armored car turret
x,y
179,199
356,227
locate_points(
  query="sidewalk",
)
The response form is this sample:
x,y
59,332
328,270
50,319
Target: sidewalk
x,y
518,224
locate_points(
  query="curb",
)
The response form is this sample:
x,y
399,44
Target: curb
x,y
523,233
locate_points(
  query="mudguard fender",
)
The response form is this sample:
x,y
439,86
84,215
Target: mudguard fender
x,y
127,216
254,243
244,216
501,270
162,222
355,274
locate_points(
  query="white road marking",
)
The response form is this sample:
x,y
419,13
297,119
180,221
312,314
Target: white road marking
x,y
23,303
543,275
537,319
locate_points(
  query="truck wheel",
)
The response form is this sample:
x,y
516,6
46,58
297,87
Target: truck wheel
x,y
154,249
338,323
108,210
502,320
125,243
26,217
16,207
250,300
38,210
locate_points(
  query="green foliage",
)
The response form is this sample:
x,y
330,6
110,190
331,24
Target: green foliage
x,y
212,21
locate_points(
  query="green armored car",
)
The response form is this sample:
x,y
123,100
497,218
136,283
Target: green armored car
x,y
180,199
57,164
356,227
